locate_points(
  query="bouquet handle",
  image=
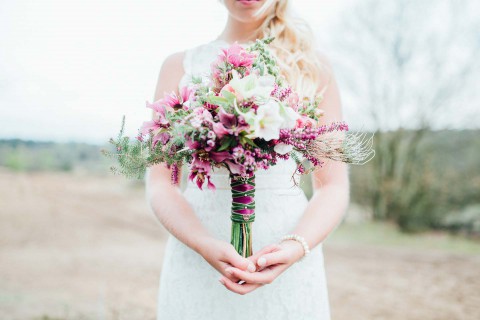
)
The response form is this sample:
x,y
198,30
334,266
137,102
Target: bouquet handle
x,y
243,213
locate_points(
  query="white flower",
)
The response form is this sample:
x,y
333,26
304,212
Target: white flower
x,y
265,86
290,117
252,85
283,148
267,122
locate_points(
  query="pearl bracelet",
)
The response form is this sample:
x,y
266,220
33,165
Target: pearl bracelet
x,y
300,239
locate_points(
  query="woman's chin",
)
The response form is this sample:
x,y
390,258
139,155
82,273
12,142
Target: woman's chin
x,y
245,10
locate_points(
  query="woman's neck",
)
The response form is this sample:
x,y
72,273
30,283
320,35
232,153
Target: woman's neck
x,y
239,31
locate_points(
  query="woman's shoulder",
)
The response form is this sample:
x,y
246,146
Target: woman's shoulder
x,y
327,74
195,52
179,66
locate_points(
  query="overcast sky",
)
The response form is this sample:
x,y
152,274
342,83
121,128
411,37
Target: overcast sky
x,y
69,69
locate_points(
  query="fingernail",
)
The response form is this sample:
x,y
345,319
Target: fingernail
x,y
229,270
262,261
221,281
251,267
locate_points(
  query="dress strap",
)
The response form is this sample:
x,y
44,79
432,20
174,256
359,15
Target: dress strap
x,y
187,61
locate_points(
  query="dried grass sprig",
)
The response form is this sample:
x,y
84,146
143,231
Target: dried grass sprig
x,y
354,148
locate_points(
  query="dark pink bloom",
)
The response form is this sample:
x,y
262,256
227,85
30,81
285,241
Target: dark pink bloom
x,y
220,156
230,123
200,170
219,129
192,145
210,185
227,119
235,168
162,137
172,100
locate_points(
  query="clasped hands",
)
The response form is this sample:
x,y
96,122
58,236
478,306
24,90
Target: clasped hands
x,y
243,275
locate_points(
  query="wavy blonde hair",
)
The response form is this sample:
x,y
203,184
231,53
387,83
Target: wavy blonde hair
x,y
294,48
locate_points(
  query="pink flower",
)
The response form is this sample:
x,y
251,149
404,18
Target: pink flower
x,y
154,126
200,170
220,156
187,94
229,123
149,126
219,129
172,101
201,116
192,145
305,122
160,111
238,56
163,137
236,168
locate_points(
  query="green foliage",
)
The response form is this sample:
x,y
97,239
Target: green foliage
x,y
265,61
417,190
134,157
16,161
22,155
227,142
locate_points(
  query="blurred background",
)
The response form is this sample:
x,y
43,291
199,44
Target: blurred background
x,y
77,242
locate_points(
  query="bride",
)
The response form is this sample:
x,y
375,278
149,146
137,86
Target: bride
x,y
203,277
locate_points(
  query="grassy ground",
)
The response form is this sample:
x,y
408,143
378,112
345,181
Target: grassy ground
x,y
388,235
86,247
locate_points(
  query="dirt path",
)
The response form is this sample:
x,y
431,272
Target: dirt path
x,y
86,247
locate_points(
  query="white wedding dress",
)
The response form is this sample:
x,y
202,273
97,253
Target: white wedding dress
x,y
189,286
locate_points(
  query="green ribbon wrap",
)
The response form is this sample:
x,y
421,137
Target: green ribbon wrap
x,y
243,213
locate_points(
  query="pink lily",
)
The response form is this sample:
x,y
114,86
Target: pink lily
x,y
235,168
160,111
149,126
220,156
229,122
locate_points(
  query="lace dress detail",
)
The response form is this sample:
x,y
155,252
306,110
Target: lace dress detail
x,y
189,287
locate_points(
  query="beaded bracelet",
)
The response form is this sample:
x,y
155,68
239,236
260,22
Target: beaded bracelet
x,y
300,239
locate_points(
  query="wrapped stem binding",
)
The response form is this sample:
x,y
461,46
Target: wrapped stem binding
x,y
243,213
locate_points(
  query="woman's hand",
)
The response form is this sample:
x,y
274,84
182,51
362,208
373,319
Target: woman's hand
x,y
271,261
221,255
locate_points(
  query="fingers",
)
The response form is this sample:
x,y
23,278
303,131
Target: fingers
x,y
272,258
222,269
239,288
264,250
263,277
239,262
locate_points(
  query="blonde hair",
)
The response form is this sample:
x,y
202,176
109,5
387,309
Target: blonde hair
x,y
294,48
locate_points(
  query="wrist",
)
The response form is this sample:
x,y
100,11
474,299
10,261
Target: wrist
x,y
202,243
301,241
296,249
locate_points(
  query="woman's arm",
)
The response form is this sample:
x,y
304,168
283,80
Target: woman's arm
x,y
331,186
166,200
168,203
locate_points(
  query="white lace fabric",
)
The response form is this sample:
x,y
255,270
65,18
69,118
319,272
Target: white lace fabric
x,y
189,286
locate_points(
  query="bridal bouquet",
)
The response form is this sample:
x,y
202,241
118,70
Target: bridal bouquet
x,y
244,117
